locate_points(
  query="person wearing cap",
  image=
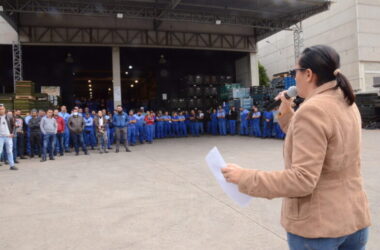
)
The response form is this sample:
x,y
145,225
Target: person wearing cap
x,y
6,134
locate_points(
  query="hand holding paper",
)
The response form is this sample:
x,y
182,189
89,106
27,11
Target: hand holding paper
x,y
216,162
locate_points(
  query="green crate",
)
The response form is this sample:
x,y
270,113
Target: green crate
x,y
25,88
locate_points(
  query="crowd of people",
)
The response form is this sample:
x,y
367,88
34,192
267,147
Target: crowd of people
x,y
48,133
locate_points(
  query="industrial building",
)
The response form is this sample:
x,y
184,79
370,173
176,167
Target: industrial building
x,y
350,26
156,52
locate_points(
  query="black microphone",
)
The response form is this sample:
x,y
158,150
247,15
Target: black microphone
x,y
291,92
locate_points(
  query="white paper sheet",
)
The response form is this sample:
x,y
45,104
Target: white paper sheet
x,y
216,162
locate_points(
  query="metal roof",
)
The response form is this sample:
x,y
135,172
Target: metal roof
x,y
255,18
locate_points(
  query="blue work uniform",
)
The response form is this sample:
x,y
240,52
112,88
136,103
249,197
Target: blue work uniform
x,y
267,131
256,124
244,122
89,136
221,114
214,123
167,125
175,126
66,134
277,131
131,125
140,127
182,125
159,127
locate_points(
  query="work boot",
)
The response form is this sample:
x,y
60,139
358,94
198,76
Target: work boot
x,y
76,153
52,158
43,159
13,168
16,161
86,153
23,157
127,150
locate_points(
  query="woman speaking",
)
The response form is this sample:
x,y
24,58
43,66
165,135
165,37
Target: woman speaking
x,y
324,206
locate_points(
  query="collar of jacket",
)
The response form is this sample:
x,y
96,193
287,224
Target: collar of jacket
x,y
324,87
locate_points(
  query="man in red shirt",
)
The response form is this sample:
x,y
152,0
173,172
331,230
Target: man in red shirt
x,y
60,133
149,126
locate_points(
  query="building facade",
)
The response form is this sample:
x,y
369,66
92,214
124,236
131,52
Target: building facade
x,y
352,27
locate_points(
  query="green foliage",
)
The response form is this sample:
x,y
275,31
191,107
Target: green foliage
x,y
263,77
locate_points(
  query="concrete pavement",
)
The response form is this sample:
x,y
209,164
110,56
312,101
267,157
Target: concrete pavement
x,y
160,196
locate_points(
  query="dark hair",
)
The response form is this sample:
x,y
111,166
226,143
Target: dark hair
x,y
323,61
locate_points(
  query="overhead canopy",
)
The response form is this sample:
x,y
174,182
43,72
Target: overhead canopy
x,y
210,24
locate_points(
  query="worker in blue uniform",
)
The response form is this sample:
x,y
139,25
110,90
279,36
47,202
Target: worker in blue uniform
x,y
214,122
268,123
110,130
243,121
175,125
232,118
131,128
221,114
140,126
182,124
277,131
159,125
193,121
167,124
89,136
256,120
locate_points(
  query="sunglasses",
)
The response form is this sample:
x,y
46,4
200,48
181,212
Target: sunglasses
x,y
293,72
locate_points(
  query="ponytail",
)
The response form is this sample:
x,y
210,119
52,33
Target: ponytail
x,y
345,86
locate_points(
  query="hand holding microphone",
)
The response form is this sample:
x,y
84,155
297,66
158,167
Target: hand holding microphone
x,y
284,97
286,100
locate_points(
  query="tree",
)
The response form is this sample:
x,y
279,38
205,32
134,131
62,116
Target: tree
x,y
263,77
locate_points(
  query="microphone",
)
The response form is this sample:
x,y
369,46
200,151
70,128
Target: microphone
x,y
291,92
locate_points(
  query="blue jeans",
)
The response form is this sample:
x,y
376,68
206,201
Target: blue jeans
x,y
49,142
355,241
8,141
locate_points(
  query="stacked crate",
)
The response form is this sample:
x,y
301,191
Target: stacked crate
x,y
7,100
25,98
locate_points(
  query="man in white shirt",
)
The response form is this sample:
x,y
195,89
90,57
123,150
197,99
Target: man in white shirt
x,y
6,134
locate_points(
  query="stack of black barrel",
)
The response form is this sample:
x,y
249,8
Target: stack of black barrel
x,y
369,107
199,92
